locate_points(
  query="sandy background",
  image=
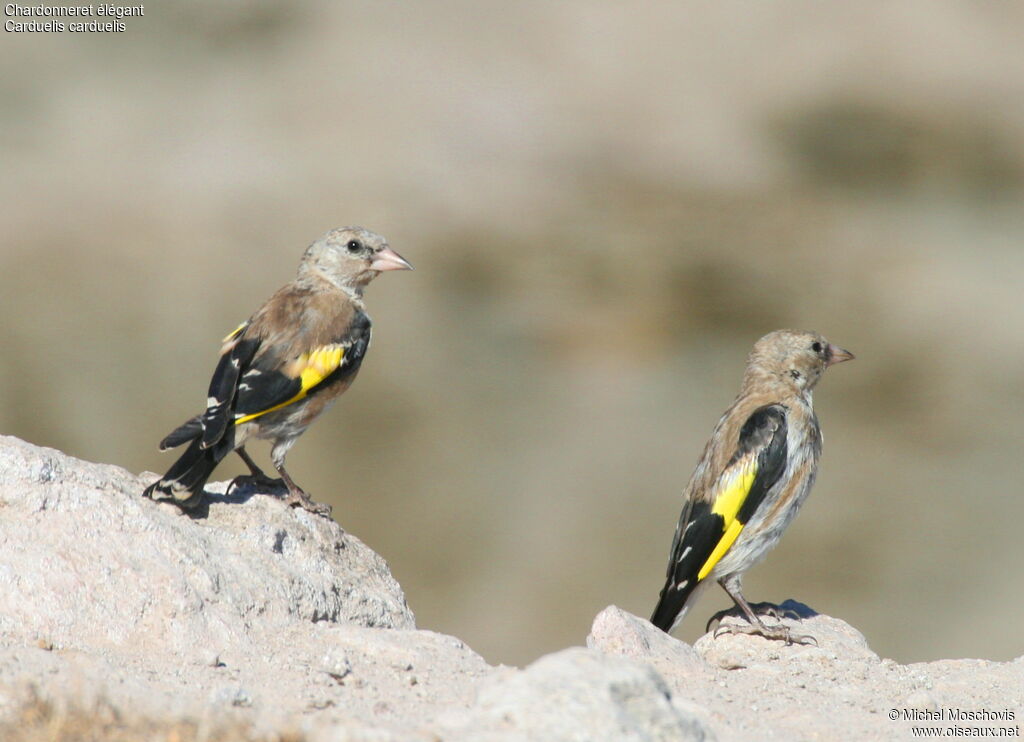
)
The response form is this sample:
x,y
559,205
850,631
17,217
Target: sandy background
x,y
605,208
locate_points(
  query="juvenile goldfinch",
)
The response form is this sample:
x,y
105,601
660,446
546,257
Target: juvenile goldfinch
x,y
752,478
282,367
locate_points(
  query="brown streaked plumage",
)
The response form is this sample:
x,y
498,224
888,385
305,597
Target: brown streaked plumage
x,y
754,474
283,367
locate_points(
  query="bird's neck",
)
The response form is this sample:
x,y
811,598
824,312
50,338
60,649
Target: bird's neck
x,y
781,384
315,279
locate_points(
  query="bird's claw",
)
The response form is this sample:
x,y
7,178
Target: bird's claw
x,y
295,498
717,618
780,632
298,499
259,482
760,609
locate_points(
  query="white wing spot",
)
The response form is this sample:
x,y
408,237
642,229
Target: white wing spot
x,y
682,556
682,584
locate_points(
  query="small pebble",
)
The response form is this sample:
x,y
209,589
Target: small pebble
x,y
336,664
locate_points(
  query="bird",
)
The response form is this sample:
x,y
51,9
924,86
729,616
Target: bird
x,y
754,474
281,368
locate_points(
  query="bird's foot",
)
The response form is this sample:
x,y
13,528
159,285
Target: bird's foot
x,y
717,617
259,482
779,632
760,609
297,498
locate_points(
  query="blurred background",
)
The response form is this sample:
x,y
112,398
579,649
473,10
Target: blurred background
x,y
606,206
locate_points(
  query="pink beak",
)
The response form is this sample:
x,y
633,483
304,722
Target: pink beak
x,y
388,260
838,355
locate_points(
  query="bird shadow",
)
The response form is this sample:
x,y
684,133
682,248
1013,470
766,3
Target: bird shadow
x,y
796,609
200,511
238,492
789,608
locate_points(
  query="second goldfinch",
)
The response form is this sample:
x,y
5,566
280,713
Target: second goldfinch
x,y
283,367
755,473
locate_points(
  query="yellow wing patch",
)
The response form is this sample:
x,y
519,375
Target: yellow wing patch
x,y
727,504
317,365
310,368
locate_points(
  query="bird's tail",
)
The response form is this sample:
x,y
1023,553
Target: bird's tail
x,y
184,481
673,605
187,431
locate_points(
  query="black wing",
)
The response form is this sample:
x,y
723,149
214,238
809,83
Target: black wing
x,y
272,382
238,353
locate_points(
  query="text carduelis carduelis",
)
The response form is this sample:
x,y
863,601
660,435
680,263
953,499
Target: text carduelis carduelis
x,y
755,472
282,367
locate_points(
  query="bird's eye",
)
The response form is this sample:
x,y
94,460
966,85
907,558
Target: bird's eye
x,y
816,347
354,245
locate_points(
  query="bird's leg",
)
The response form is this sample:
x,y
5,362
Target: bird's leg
x,y
781,632
257,473
297,497
759,609
257,476
733,589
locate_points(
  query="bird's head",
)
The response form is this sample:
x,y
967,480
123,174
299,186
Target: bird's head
x,y
350,257
793,358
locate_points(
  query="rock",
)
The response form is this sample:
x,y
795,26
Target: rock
x,y
580,694
832,639
88,563
617,632
922,700
747,687
262,621
253,608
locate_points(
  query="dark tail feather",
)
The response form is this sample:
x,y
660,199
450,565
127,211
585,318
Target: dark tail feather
x,y
183,434
184,481
671,606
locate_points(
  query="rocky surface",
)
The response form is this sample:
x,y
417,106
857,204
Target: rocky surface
x,y
254,613
748,688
